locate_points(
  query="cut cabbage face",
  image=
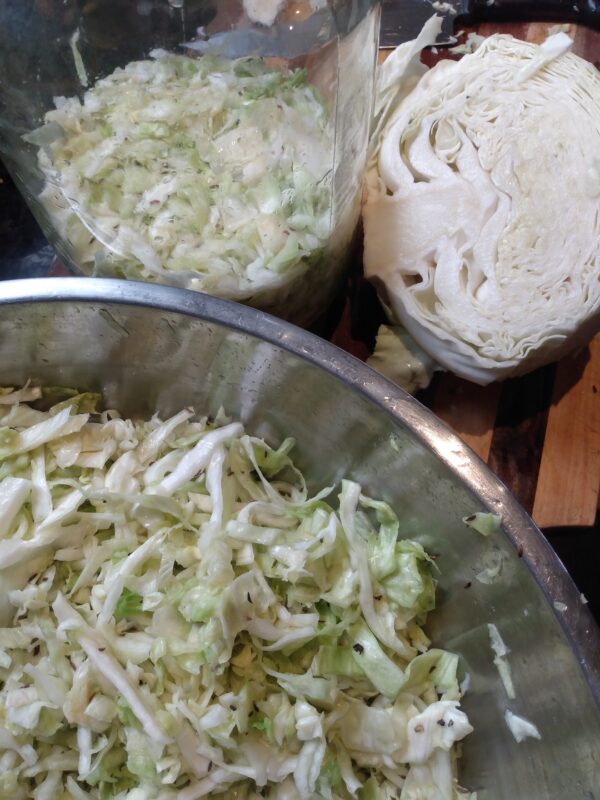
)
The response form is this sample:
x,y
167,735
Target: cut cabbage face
x,y
211,174
482,224
180,617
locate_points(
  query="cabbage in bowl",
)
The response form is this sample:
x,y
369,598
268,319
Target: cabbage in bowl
x,y
181,618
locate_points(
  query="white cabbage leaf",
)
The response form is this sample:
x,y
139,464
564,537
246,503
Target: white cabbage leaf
x,y
400,359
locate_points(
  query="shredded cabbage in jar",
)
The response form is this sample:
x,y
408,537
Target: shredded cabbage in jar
x,y
211,174
181,618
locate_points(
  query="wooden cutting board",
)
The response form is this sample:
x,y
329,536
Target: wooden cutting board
x,y
539,433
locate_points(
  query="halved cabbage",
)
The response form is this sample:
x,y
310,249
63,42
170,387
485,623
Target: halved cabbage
x,y
482,223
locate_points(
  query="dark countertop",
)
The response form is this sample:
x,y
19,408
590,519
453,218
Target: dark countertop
x,y
24,250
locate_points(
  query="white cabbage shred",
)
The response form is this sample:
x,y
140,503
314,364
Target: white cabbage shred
x,y
492,568
520,727
181,618
501,652
482,230
211,174
483,522
470,44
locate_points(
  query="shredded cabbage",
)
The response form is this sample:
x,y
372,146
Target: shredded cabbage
x,y
482,231
212,174
182,618
501,653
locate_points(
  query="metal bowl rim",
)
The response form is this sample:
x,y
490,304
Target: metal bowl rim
x,y
543,563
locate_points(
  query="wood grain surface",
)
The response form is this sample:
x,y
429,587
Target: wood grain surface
x,y
569,475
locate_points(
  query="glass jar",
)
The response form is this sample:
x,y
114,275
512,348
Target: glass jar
x,y
217,145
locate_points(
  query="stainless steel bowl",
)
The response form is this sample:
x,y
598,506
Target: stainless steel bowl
x,y
149,348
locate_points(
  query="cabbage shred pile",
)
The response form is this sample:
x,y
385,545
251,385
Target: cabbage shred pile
x,y
181,618
211,174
